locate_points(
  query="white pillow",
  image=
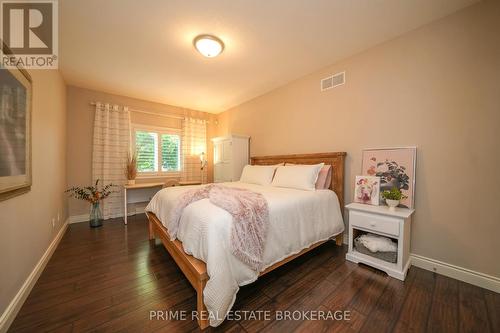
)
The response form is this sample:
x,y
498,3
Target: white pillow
x,y
302,177
258,174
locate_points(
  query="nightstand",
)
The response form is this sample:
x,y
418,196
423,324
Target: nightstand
x,y
379,220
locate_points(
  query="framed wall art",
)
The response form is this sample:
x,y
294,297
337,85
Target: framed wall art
x,y
367,190
15,132
395,167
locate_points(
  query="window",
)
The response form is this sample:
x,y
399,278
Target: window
x,y
158,151
170,152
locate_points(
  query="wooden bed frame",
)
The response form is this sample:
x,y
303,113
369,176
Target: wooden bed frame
x,y
196,271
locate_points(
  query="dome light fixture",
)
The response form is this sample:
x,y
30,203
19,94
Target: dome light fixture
x,y
208,45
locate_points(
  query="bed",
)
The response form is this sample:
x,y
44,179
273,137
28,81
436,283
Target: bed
x,y
201,252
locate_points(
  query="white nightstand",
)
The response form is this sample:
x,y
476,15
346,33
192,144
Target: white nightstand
x,y
382,221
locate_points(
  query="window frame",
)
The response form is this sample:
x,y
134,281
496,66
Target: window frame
x,y
159,131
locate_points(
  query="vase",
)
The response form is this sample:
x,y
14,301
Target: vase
x,y
95,215
130,181
392,204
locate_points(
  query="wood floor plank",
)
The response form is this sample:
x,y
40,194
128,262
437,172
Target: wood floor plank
x,y
42,322
345,292
386,312
284,299
353,324
111,264
416,308
364,301
444,312
87,288
473,313
492,300
314,297
138,319
289,274
123,304
282,286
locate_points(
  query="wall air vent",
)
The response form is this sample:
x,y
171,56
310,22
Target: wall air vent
x,y
333,81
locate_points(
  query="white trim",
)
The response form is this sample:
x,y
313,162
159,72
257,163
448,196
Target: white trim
x,y
381,210
85,217
158,131
15,305
463,274
229,137
141,127
390,147
78,218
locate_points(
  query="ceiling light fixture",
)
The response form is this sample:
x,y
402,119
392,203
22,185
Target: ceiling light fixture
x,y
208,45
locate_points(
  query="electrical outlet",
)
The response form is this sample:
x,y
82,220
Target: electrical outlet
x,y
53,222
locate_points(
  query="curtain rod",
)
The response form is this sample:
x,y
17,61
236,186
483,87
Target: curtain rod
x,y
167,115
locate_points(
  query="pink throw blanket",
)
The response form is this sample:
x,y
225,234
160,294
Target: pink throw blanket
x,y
250,219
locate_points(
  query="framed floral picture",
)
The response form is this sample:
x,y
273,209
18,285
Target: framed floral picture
x,y
395,167
367,190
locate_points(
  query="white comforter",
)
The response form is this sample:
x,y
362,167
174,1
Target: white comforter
x,y
297,220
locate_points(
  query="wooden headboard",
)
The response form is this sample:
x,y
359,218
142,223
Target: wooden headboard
x,y
336,160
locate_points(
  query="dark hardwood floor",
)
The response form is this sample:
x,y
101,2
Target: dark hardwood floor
x,y
108,279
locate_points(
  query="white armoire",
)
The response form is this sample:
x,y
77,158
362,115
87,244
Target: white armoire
x,y
231,154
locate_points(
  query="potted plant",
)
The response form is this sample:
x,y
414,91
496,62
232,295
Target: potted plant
x,y
131,170
94,196
393,197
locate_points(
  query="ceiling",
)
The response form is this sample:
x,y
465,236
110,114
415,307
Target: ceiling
x,y
144,49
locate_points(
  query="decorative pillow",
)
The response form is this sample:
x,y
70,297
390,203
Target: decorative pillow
x,y
302,177
324,176
258,174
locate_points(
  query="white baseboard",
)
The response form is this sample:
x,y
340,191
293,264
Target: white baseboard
x,y
85,217
13,308
78,218
456,272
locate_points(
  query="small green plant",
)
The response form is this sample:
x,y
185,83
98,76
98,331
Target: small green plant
x,y
393,194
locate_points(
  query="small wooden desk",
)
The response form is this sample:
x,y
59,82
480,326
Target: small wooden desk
x,y
188,182
135,187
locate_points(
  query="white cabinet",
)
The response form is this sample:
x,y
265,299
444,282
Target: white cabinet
x,y
231,154
382,221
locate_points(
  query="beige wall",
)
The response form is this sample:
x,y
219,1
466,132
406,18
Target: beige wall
x,y
438,88
80,123
26,221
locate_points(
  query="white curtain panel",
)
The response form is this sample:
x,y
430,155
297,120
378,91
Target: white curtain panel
x,y
194,143
109,154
